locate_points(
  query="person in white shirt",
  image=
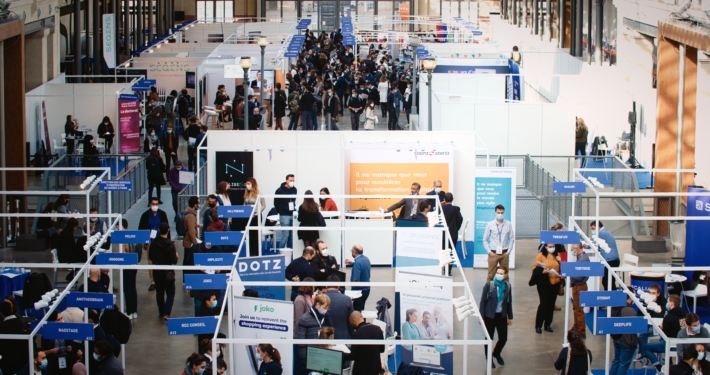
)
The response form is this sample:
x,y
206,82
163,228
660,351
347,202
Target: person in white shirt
x,y
498,241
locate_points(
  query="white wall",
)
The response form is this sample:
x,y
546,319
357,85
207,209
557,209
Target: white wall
x,y
167,78
200,32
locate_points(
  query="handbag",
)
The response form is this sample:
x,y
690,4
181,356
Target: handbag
x,y
170,276
561,291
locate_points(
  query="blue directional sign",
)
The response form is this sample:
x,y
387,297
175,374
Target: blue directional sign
x,y
242,212
291,54
130,236
116,185
140,88
223,238
568,187
90,300
68,331
558,237
602,298
147,82
293,47
214,259
203,281
125,259
621,325
580,269
192,326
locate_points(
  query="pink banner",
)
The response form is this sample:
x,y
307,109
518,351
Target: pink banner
x,y
129,123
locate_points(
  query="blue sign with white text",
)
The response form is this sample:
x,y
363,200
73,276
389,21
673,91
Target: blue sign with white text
x,y
140,88
580,269
68,331
90,300
267,268
130,236
560,237
241,212
622,325
291,54
697,232
147,82
602,298
192,326
116,185
568,187
202,281
223,238
125,259
214,259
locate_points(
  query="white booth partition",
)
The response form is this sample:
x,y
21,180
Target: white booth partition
x,y
169,73
247,32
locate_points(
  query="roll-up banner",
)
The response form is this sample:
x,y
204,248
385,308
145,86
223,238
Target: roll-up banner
x,y
494,186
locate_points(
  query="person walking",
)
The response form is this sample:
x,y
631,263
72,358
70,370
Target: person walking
x,y
611,257
370,115
366,358
453,217
129,276
580,137
174,181
294,100
579,284
498,240
163,252
393,100
355,105
360,273
383,89
574,359
155,168
151,220
330,110
170,145
341,306
547,287
306,107
280,103
190,134
497,308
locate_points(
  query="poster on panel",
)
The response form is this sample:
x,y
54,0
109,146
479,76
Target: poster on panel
x,y
266,320
234,167
392,172
129,123
493,186
266,268
109,39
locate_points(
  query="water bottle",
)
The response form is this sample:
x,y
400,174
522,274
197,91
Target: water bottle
x,y
14,269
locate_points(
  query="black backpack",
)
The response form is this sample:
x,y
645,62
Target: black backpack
x,y
169,104
615,313
180,222
117,325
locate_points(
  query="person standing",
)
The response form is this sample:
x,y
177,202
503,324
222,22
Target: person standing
x,y
299,269
323,262
574,359
310,324
361,273
152,219
183,108
279,107
580,138
438,191
206,217
223,197
70,131
174,181
498,241
306,107
163,252
190,135
612,257
453,217
331,110
108,364
107,132
309,216
579,284
370,116
383,89
155,168
497,308
355,105
393,100
39,364
547,287
294,100
129,276
270,359
190,243
170,106
341,306
367,360
625,345
170,145
285,207
156,116
250,194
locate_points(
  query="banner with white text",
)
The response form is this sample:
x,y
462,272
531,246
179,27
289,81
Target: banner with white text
x,y
494,186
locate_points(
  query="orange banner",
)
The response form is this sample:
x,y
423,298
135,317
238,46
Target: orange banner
x,y
404,11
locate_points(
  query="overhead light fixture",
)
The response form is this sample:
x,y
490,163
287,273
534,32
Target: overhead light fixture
x,y
414,41
245,62
263,41
429,63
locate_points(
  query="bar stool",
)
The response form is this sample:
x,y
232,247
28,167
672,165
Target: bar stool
x,y
215,118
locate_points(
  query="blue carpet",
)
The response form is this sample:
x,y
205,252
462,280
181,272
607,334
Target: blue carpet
x,y
643,178
702,312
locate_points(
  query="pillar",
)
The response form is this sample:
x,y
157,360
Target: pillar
x,y
96,37
36,61
13,107
76,46
150,21
599,52
578,25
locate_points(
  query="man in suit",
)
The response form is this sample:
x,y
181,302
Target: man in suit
x,y
393,99
331,110
341,306
356,106
366,357
306,107
340,85
409,204
436,191
453,217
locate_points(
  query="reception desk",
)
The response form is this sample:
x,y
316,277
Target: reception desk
x,y
378,245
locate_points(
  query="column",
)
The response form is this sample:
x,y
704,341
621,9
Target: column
x,y
150,21
598,53
36,61
96,38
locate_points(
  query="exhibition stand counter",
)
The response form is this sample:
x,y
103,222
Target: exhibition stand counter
x,y
379,243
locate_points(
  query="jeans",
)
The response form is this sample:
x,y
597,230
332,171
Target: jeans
x,y
359,303
648,350
307,120
192,159
354,120
293,125
294,293
163,288
129,290
330,122
546,308
286,240
612,263
314,119
622,359
501,325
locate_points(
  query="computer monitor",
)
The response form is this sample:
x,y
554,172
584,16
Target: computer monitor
x,y
325,361
190,80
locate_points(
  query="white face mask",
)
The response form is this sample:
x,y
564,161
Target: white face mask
x,y
248,186
217,353
324,252
437,190
154,208
551,250
290,184
93,219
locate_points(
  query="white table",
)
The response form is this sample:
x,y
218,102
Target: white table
x,y
332,238
369,314
673,278
353,294
378,245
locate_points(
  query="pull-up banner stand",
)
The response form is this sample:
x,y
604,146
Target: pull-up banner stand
x,y
602,299
623,325
192,326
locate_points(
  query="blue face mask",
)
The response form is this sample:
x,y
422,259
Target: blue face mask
x,y
500,216
214,304
695,329
668,307
44,364
96,357
499,277
170,131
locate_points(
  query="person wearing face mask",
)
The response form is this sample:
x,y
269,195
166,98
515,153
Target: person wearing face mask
x,y
498,240
208,307
686,366
497,308
312,322
302,302
560,249
702,365
548,286
250,195
39,365
170,145
327,204
107,132
612,257
195,365
693,330
408,205
579,285
355,105
206,351
206,218
60,205
162,252
323,262
108,363
438,191
156,116
285,208
174,181
97,224
331,108
155,168
361,272
671,326
270,360
151,220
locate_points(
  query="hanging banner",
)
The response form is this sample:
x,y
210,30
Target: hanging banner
x,y
610,298
568,187
130,236
265,320
203,281
68,331
494,186
624,325
242,212
266,268
109,40
129,123
559,237
117,258
581,269
214,259
697,232
223,238
234,167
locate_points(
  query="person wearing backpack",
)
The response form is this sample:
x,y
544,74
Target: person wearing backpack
x,y
294,100
190,243
155,168
170,103
183,108
624,345
497,308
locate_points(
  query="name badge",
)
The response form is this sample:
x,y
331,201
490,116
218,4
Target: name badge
x,y
153,233
291,207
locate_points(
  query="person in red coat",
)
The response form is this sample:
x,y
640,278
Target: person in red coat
x,y
327,204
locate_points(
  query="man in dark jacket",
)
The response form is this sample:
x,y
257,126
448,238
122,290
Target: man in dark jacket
x,y
356,106
341,306
438,192
14,352
191,134
183,108
624,345
39,365
453,217
108,364
671,326
299,269
306,107
170,145
393,99
285,208
156,116
151,220
493,319
366,357
162,252
331,110
340,85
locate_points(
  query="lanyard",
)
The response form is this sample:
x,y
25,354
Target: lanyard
x,y
320,324
500,231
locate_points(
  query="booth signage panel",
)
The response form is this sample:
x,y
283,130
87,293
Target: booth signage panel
x,y
568,187
192,326
581,269
147,82
214,259
223,238
267,268
621,325
129,123
140,88
602,298
241,212
90,300
493,186
559,237
130,236
697,232
291,54
217,281
116,185
125,259
68,331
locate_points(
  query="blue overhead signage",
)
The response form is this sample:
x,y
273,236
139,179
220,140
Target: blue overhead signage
x,y
568,187
291,48
140,88
124,259
68,331
203,281
192,326
147,82
291,54
90,300
622,325
242,212
580,269
560,237
602,298
214,259
223,238
116,185
129,97
130,236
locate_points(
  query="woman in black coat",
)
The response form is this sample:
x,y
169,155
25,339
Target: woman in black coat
x,y
155,167
575,359
308,216
280,103
90,159
107,132
68,250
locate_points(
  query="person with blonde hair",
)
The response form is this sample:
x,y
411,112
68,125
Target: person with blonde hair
x,y
251,193
580,138
311,323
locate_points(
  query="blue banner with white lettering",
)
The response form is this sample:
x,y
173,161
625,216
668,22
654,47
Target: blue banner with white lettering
x,y
203,281
568,187
90,300
267,268
560,237
125,259
214,259
192,326
512,89
130,236
242,212
223,238
116,185
147,82
580,269
697,232
68,331
602,298
622,325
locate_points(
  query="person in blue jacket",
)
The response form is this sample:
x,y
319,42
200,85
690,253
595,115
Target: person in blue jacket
x,y
612,257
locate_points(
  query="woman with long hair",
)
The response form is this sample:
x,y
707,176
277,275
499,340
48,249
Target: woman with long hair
x,y
327,203
195,365
222,194
61,206
107,132
308,216
271,360
155,169
410,331
580,137
370,115
251,193
90,159
384,88
575,359
70,131
497,295
547,287
303,302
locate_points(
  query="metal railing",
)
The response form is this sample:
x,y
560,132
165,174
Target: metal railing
x,y
191,190
122,201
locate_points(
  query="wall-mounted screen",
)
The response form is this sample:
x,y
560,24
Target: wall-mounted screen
x,y
190,80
